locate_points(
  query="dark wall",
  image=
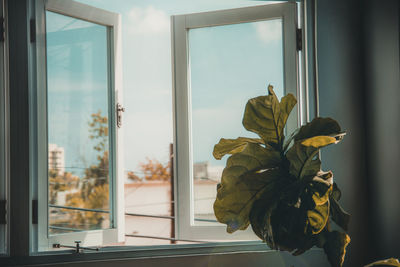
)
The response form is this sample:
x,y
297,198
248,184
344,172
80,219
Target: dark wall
x,y
358,57
382,62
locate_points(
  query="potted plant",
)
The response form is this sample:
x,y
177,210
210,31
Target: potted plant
x,y
275,183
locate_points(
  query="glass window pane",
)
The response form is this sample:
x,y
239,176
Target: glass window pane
x,y
228,65
148,120
78,123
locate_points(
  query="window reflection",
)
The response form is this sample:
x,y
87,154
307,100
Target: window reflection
x,y
78,125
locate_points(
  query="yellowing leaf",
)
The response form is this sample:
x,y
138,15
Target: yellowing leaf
x,y
318,217
318,126
319,141
233,146
320,199
335,247
388,262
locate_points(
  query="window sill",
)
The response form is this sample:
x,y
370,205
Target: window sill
x,y
131,252
161,253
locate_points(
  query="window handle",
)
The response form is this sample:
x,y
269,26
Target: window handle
x,y
120,109
77,247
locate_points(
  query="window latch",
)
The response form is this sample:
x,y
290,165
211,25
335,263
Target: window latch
x,y
120,109
3,212
78,248
2,30
299,39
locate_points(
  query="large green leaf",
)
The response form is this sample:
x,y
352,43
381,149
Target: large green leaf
x,y
233,146
335,247
289,228
289,139
302,162
237,193
241,185
336,193
319,133
253,157
318,126
260,215
244,179
301,155
265,116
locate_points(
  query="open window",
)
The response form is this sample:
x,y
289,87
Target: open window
x,y
220,60
79,159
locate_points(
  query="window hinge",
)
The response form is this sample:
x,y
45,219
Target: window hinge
x,y
2,30
34,211
299,39
3,211
32,31
120,109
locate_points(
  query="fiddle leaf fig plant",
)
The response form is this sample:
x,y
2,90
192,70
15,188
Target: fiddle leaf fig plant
x,y
275,184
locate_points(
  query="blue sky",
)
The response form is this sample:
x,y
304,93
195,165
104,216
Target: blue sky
x,y
229,64
77,85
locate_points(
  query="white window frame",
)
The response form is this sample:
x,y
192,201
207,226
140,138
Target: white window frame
x,y
183,163
4,128
113,23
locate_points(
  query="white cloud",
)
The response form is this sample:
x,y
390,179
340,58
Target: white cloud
x,y
148,20
269,31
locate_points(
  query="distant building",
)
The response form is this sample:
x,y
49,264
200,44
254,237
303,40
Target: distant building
x,y
200,170
203,170
56,158
215,172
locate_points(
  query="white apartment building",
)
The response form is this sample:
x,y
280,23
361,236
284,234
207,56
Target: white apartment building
x,y
56,158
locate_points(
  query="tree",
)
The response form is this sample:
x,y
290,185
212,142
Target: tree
x,y
153,170
94,193
132,176
93,188
60,183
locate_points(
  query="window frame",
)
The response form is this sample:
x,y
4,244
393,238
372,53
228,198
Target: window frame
x,y
183,165
4,130
116,233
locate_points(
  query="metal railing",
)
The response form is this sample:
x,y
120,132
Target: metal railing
x,y
76,208
166,238
126,213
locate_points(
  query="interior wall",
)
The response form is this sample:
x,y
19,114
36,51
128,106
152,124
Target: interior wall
x,y
358,57
382,75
